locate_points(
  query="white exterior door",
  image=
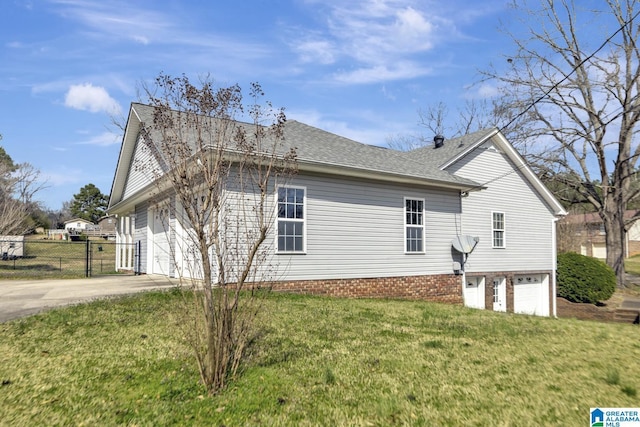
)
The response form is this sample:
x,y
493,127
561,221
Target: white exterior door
x,y
160,242
499,294
531,294
474,292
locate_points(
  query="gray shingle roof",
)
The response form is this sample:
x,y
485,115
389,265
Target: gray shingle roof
x,y
320,148
315,145
436,157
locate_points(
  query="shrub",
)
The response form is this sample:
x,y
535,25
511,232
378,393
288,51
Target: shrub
x,y
584,279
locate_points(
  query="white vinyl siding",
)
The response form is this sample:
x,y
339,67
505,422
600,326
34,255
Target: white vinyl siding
x,y
528,219
141,233
355,229
141,174
414,225
498,230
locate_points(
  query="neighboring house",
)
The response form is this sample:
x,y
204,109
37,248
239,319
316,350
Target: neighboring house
x,y
584,233
378,222
107,224
106,227
77,226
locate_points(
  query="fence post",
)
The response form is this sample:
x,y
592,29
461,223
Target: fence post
x,y
87,259
138,261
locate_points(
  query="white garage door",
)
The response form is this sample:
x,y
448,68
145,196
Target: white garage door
x,y
531,294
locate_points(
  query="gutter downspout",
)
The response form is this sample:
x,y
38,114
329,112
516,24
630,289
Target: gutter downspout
x,y
554,264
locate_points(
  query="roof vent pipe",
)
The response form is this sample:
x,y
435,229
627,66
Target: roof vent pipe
x,y
439,140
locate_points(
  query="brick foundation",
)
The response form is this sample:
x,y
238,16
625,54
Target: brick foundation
x,y
446,288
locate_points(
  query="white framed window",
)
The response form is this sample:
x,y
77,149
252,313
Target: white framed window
x,y
414,225
498,229
291,205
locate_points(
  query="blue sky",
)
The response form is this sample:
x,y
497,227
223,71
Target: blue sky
x,y
358,68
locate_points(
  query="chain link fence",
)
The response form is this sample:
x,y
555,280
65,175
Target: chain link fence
x,y
59,258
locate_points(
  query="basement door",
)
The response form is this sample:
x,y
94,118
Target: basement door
x,y
474,292
500,294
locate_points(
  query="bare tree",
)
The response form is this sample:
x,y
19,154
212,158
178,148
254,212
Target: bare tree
x,y
572,235
436,119
18,185
576,105
216,183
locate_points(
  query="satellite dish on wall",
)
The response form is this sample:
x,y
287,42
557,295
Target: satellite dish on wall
x,y
465,244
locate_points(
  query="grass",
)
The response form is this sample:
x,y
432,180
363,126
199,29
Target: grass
x,y
316,361
632,265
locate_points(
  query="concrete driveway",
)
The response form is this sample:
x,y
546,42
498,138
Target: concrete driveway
x,y
20,298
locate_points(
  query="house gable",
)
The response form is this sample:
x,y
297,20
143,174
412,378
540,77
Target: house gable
x,y
143,167
528,220
457,149
125,158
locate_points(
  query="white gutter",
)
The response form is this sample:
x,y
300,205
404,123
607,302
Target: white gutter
x,y
554,263
371,174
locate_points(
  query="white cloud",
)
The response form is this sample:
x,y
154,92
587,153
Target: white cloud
x,y
377,37
382,73
63,177
91,98
316,51
387,93
104,139
117,19
412,28
481,91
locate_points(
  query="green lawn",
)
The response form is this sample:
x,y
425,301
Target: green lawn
x,y
317,361
632,265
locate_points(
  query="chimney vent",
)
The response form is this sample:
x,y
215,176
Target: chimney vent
x,y
439,140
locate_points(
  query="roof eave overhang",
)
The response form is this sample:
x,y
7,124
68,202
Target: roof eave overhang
x,y
125,207
375,175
